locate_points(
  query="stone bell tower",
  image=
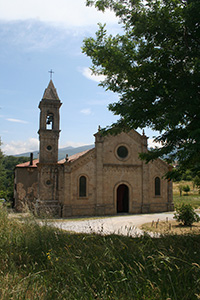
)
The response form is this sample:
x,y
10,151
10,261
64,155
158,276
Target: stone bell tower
x,y
49,129
48,168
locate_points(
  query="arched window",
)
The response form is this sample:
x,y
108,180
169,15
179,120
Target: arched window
x,y
157,186
82,186
49,121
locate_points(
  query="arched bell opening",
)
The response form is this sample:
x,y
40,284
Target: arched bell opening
x,y
50,121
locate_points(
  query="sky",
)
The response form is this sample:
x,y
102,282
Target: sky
x,y
36,37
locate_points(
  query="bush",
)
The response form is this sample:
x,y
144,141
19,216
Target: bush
x,y
186,215
196,182
186,189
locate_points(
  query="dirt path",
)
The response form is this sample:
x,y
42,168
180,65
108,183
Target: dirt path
x,y
124,225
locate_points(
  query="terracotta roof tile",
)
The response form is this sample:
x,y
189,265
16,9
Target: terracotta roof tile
x,y
62,161
27,164
74,157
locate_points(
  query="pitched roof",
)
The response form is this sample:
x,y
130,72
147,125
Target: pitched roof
x,y
62,161
75,156
27,164
50,92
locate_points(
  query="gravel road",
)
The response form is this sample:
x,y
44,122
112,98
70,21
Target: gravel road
x,y
123,224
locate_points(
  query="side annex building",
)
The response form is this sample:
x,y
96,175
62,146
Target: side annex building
x,y
106,180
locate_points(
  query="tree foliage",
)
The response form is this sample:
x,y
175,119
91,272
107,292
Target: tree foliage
x,y
186,215
186,189
196,182
2,175
7,166
154,67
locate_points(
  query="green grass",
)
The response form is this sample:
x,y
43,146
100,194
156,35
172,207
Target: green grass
x,y
40,262
193,199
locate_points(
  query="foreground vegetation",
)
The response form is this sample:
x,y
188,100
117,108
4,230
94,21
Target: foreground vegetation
x,y
40,262
170,227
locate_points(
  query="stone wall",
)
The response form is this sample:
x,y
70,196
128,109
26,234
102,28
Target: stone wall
x,y
25,188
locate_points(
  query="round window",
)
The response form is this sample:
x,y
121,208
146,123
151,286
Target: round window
x,y
49,147
122,152
48,182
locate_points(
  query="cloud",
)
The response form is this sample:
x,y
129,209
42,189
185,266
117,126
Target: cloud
x,y
61,12
88,74
152,144
86,111
31,35
18,147
16,121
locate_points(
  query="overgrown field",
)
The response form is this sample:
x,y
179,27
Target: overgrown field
x,y
193,196
40,262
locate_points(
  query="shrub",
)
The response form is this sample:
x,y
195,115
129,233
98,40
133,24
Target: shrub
x,y
196,182
186,189
186,215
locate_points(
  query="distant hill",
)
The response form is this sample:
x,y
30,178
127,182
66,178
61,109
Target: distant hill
x,y
70,150
61,152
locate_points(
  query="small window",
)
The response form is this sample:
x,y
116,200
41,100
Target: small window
x,y
82,186
157,186
48,182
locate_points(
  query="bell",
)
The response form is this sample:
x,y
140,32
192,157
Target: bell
x,y
49,120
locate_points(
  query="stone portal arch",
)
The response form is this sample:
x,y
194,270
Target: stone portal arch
x,y
122,199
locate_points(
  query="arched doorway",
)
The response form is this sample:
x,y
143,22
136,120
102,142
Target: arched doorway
x,y
122,199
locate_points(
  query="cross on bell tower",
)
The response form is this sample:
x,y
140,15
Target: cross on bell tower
x,y
51,74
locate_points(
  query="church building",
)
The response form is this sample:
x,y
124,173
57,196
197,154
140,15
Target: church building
x,y
107,180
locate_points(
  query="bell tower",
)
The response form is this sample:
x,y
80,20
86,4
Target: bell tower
x,y
49,129
48,167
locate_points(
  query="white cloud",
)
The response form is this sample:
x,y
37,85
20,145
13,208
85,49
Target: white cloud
x,y
31,35
152,144
64,12
86,111
18,147
16,121
88,74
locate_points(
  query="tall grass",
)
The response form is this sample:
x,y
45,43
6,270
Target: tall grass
x,y
40,262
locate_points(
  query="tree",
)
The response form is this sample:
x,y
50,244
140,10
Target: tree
x,y
196,182
186,215
9,163
2,175
154,67
186,189
7,166
180,189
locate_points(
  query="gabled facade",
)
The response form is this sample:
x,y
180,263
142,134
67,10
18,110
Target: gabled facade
x,y
106,180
